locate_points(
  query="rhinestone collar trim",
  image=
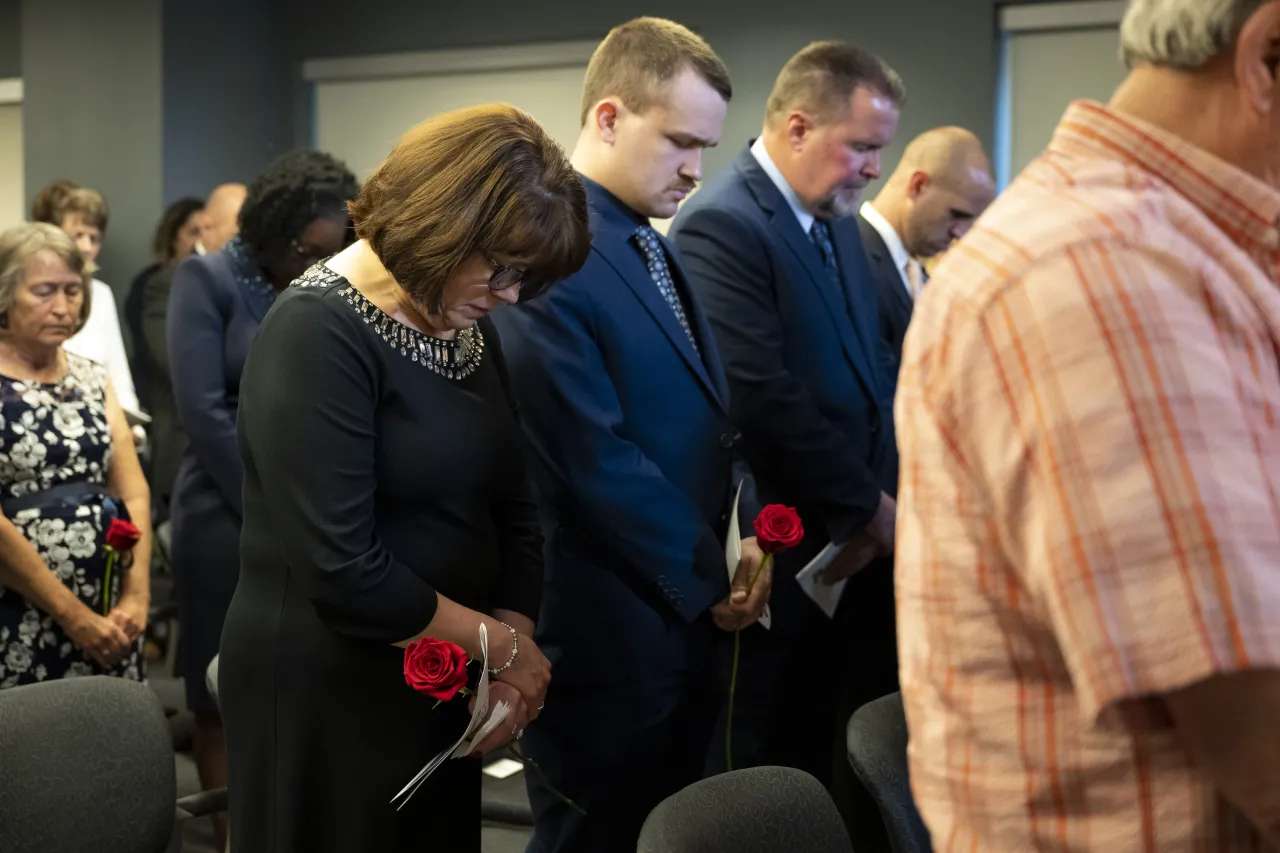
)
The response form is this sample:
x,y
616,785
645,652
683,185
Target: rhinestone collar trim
x,y
454,359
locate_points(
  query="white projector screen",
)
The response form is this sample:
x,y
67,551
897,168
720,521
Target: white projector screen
x,y
1046,72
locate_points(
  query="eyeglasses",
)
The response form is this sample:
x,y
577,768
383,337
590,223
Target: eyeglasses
x,y
310,254
503,278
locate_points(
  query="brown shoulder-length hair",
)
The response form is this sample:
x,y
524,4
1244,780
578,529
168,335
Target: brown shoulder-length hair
x,y
482,180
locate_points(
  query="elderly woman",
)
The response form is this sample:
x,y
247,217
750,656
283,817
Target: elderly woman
x,y
294,215
67,468
386,496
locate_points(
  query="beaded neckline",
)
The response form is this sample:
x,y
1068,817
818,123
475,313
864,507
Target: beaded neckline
x,y
247,272
454,359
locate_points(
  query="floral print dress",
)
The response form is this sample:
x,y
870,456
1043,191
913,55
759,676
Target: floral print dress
x,y
54,439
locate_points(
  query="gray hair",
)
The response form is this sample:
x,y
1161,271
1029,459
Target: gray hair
x,y
1182,34
20,244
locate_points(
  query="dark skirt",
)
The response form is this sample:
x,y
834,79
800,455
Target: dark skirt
x,y
322,732
206,565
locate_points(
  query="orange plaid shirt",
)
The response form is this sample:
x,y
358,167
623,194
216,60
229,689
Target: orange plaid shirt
x,y
1089,420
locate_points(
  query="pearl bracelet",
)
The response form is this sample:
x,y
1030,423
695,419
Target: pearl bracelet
x,y
515,651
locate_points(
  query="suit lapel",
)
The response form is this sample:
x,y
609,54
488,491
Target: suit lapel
x,y
615,246
784,223
885,271
710,361
862,287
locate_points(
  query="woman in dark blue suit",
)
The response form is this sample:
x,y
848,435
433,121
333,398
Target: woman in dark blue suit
x,y
294,215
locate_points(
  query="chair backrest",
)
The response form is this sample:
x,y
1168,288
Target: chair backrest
x,y
85,764
877,744
757,810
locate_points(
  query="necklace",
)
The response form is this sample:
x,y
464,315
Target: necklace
x,y
453,359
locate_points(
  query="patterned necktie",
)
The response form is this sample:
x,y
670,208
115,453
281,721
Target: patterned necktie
x,y
820,234
915,278
656,260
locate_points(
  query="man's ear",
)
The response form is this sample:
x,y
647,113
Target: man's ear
x,y
604,116
1257,57
799,128
916,185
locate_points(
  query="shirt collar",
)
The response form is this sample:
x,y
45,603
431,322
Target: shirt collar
x,y
888,234
1244,207
609,205
803,216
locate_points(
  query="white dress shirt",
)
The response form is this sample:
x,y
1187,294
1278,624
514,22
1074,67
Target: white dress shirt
x,y
901,259
803,216
101,340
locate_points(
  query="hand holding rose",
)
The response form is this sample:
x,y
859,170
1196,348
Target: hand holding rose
x,y
748,593
778,528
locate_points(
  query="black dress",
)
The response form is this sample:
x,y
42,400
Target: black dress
x,y
379,467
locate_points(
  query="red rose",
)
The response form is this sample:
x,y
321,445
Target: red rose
x,y
778,528
122,535
435,667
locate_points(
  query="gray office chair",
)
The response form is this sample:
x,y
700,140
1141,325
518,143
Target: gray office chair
x,y
758,810
87,765
877,742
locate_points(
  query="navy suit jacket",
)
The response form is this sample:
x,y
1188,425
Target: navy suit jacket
x,y
895,302
807,369
635,461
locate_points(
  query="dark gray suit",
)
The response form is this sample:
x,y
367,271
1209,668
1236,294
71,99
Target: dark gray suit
x,y
811,394
895,303
168,442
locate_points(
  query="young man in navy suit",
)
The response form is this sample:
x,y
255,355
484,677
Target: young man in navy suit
x,y
626,406
773,251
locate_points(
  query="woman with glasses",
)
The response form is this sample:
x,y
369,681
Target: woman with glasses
x,y
295,213
386,497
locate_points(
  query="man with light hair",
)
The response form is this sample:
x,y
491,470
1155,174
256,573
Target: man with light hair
x,y
1089,512
941,185
772,247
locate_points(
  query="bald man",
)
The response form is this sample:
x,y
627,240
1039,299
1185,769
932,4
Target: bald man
x,y
942,184
223,210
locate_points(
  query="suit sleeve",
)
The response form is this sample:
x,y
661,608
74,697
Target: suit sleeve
x,y
309,418
196,342
785,432
588,465
155,312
